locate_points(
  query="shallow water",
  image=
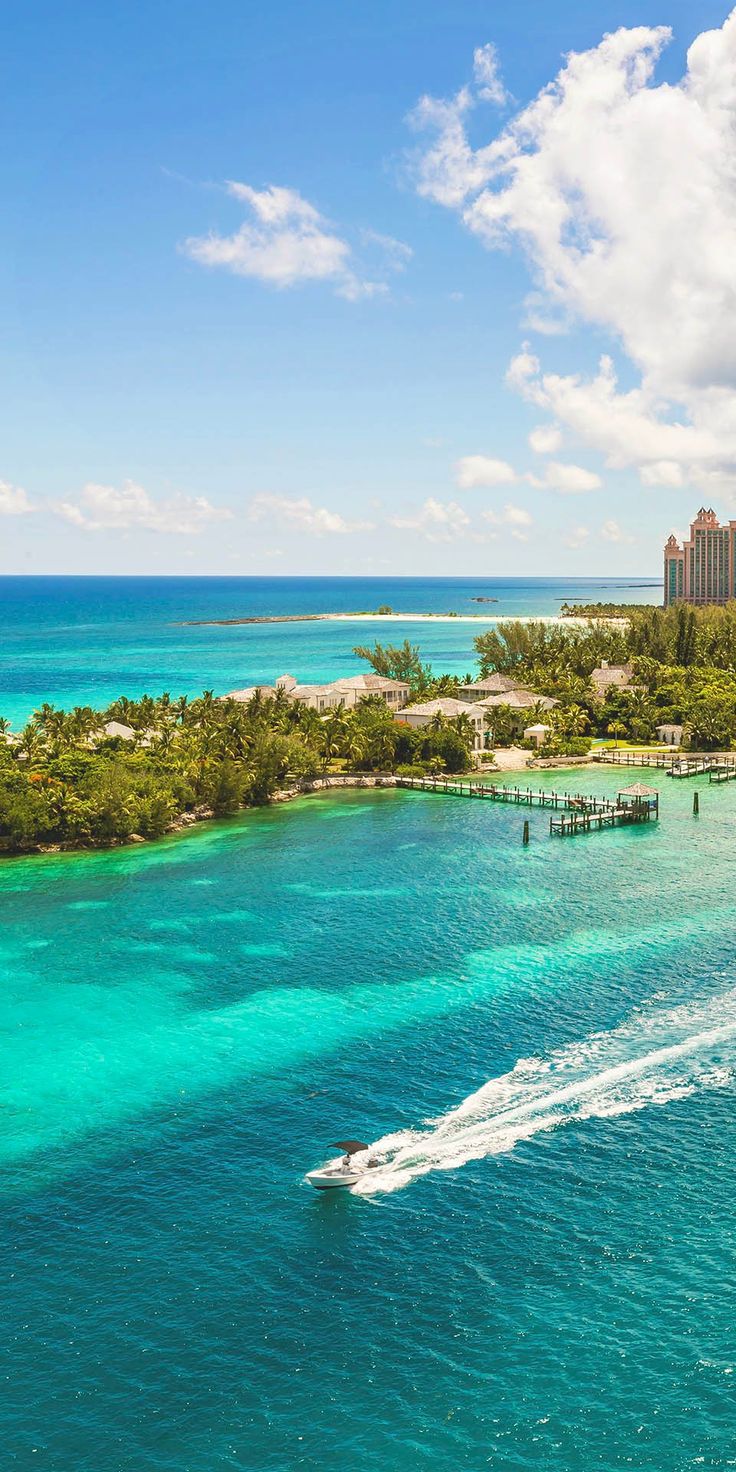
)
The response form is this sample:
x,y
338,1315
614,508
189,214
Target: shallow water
x,y
541,1043
85,641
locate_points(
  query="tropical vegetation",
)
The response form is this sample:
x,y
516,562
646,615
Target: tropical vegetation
x,y
67,780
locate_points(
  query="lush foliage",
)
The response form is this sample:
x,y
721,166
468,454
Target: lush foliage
x,y
64,780
682,663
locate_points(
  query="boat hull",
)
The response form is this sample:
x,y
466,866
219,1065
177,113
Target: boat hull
x,y
325,1180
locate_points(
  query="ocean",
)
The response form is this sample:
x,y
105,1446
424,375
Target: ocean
x,y
542,1040
539,1042
84,641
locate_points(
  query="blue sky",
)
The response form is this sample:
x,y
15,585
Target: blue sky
x,y
199,378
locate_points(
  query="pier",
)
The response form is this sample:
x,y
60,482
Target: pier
x,y
572,813
722,771
527,797
612,758
717,766
636,804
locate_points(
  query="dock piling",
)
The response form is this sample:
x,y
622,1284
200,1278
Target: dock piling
x,y
696,804
525,838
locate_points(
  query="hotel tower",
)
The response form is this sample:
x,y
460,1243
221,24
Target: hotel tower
x,y
703,568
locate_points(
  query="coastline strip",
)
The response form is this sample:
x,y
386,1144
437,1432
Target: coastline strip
x,y
390,618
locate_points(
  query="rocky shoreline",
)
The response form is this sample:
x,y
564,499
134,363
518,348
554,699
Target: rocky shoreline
x,y
305,788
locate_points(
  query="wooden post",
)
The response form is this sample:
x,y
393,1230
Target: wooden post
x,y
525,838
696,804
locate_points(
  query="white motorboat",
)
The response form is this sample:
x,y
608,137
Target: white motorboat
x,y
340,1173
331,1176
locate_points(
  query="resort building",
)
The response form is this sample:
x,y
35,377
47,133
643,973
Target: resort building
x,y
346,692
490,685
519,703
611,677
703,568
519,699
427,711
669,735
537,733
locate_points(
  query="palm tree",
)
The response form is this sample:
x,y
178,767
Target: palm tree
x,y
354,746
616,729
465,728
572,720
334,733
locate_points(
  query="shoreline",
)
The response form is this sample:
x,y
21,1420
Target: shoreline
x,y
516,760
391,618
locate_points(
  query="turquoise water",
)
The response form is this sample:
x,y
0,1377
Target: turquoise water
x,y
84,641
541,1043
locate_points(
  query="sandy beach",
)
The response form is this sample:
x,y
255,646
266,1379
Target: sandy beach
x,y
393,618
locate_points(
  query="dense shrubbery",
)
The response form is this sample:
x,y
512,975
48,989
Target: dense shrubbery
x,y
683,663
64,781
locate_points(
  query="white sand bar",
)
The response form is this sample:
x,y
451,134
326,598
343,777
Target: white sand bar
x,y
461,618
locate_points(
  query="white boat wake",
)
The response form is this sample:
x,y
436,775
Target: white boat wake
x,y
655,1057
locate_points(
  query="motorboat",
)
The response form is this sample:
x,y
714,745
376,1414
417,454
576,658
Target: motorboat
x,y
340,1173
332,1176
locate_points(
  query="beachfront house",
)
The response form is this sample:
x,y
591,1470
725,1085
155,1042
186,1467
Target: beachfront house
x,y
489,685
537,733
424,712
518,703
395,693
669,735
117,729
346,692
611,677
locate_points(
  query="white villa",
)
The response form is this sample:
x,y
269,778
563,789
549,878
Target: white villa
x,y
490,685
519,699
425,711
345,692
537,733
611,677
670,735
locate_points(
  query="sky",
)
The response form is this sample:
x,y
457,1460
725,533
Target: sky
x,y
414,287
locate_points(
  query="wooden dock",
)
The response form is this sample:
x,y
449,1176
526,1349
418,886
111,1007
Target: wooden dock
x,y
722,772
612,758
717,766
527,797
572,812
566,825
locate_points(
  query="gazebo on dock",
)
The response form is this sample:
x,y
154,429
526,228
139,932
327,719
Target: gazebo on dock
x,y
638,799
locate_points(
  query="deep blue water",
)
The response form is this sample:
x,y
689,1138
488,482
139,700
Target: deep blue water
x,y
84,641
540,1041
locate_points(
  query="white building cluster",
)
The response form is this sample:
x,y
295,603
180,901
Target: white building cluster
x,y
477,705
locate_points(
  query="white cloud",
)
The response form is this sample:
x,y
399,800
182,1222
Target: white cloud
x,y
110,508
545,439
300,514
577,538
539,317
438,521
571,480
622,193
482,470
487,76
619,425
396,253
14,501
516,518
612,532
662,473
287,242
